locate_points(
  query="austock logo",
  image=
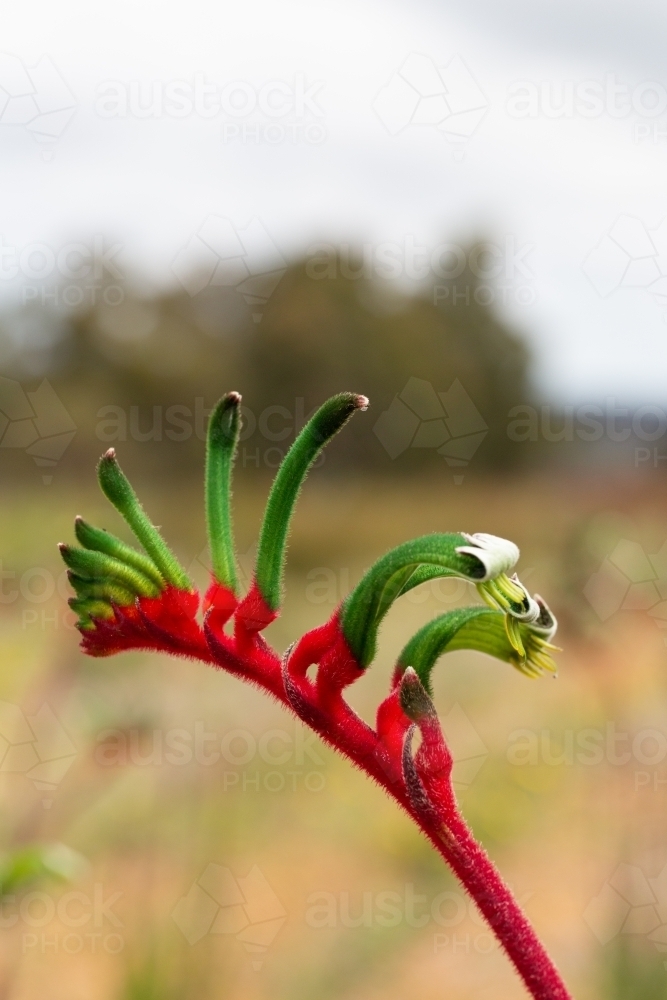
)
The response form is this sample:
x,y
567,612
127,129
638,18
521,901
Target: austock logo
x,y
244,258
64,276
458,927
446,98
630,256
467,747
36,98
275,111
490,272
420,417
36,746
35,422
588,98
630,903
630,580
245,908
65,923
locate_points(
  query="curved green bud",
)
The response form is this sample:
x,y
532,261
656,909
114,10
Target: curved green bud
x,y
394,574
221,443
88,609
105,589
100,540
117,489
497,555
98,566
482,629
322,426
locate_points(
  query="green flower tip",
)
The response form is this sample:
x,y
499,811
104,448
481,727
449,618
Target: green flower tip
x,y
99,569
106,572
331,416
89,609
328,420
107,460
322,426
225,419
114,484
221,443
117,489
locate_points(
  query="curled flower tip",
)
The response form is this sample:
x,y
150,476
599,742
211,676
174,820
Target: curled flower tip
x,y
509,596
534,658
415,701
495,555
546,621
363,403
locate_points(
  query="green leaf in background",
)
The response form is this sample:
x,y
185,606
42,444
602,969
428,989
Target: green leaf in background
x,y
26,865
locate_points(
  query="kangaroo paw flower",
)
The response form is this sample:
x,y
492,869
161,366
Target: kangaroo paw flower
x,y
128,599
141,598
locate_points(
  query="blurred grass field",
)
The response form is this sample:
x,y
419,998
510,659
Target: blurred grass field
x,y
177,767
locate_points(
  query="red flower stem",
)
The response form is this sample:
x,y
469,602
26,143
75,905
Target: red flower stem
x,y
483,882
476,872
341,728
470,863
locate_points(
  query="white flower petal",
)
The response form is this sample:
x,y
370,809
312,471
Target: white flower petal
x,y
546,624
531,615
497,555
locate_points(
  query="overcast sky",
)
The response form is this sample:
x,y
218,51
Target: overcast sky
x,y
542,125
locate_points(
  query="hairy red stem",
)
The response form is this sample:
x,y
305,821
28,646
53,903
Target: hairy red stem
x,y
481,879
420,783
321,706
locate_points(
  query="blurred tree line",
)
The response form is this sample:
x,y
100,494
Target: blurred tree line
x,y
442,371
